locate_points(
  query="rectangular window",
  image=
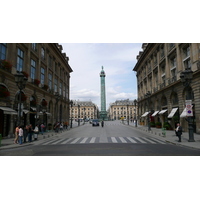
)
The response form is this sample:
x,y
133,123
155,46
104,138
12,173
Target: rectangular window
x,y
56,85
42,76
34,45
186,57
60,89
42,53
2,51
33,69
50,81
64,90
50,61
20,59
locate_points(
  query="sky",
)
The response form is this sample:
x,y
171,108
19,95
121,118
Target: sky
x,y
86,61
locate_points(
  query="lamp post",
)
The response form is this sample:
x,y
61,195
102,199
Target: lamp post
x,y
78,115
71,104
148,94
57,96
20,80
186,78
84,116
127,114
135,104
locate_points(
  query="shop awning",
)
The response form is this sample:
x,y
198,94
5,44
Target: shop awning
x,y
155,113
184,113
25,111
162,112
39,113
172,112
47,113
145,114
33,108
8,111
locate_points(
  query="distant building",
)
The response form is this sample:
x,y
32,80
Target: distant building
x,y
84,110
126,109
45,98
161,94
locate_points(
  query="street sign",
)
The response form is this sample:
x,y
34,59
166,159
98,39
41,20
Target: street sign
x,y
188,104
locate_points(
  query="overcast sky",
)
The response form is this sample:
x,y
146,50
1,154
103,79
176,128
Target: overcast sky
x,y
87,59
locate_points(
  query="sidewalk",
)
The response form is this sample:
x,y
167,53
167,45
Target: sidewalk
x,y
8,143
171,137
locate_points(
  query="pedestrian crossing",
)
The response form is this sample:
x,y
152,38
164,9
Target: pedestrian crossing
x,y
90,140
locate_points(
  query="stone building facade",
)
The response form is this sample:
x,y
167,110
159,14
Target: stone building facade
x,y
84,110
45,98
161,94
126,109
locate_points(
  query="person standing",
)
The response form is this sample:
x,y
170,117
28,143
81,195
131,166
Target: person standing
x,y
36,131
20,135
30,133
42,126
16,135
25,133
179,131
102,123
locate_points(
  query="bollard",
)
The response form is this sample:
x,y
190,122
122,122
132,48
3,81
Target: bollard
x,y
0,139
164,132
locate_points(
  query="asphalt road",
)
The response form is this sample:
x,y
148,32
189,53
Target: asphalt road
x,y
114,139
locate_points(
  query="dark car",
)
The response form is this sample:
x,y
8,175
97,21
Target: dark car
x,y
95,122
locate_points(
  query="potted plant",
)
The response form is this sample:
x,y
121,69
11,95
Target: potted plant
x,y
152,124
23,97
45,87
158,124
25,74
4,92
36,82
44,103
6,65
33,103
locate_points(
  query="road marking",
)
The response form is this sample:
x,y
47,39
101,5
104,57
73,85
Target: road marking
x,y
123,140
65,142
92,140
149,140
133,141
158,141
75,140
142,141
58,141
49,142
114,140
84,140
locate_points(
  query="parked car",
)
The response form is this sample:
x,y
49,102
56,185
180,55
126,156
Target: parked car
x,y
95,122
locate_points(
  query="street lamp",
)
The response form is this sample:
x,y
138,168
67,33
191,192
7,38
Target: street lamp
x,y
84,116
78,115
186,78
148,94
20,80
71,104
127,114
135,104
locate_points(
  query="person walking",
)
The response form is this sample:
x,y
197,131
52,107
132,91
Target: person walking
x,y
20,135
16,135
102,123
25,133
30,133
42,126
36,131
179,131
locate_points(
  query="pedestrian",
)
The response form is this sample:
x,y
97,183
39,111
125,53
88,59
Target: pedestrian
x,y
42,126
56,127
20,135
102,123
36,131
179,131
61,127
16,135
30,131
25,133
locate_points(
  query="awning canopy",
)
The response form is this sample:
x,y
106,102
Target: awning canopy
x,y
47,113
162,112
184,113
25,111
8,111
33,108
145,114
155,113
172,112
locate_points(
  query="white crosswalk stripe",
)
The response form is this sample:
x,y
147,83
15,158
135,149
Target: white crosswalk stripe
x,y
88,140
123,140
114,140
